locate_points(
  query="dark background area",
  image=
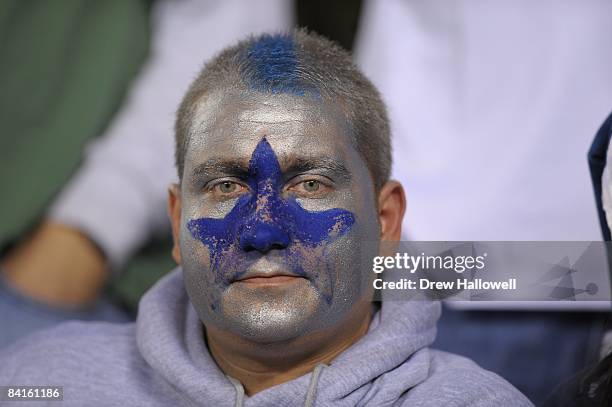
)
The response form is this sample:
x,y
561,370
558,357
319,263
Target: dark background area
x,y
337,20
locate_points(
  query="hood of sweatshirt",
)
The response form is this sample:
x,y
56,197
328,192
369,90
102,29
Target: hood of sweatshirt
x,y
598,154
392,358
400,331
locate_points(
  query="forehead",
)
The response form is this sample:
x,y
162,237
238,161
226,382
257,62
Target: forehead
x,y
231,125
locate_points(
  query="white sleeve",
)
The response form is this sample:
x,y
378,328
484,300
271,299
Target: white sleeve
x,y
118,196
493,106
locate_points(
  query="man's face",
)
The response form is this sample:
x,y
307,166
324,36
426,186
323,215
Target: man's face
x,y
275,204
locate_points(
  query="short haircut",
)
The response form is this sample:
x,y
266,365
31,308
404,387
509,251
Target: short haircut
x,y
301,63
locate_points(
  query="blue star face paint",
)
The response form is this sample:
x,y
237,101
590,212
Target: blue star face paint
x,y
263,220
273,187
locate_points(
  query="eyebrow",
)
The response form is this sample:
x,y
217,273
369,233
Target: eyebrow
x,y
295,165
216,166
290,166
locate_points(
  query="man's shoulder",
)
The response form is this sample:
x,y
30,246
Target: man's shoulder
x,y
457,380
72,334
69,350
96,363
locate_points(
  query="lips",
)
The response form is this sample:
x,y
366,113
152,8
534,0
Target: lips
x,y
267,277
265,271
275,280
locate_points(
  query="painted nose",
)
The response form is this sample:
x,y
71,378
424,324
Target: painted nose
x,y
263,237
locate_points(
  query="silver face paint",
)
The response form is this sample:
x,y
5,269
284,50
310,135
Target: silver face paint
x,y
229,129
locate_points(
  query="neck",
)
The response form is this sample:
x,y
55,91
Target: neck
x,y
260,366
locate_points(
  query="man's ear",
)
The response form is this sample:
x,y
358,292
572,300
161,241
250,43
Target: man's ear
x,y
174,212
391,208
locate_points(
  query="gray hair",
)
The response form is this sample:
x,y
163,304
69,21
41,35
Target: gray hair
x,y
304,64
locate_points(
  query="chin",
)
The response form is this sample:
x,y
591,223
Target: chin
x,y
272,314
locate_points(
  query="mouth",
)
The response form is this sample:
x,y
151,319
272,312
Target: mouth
x,y
271,280
265,272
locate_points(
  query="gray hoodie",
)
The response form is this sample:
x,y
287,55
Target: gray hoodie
x,y
162,360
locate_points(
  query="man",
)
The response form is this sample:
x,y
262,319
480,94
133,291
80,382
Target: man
x,y
282,150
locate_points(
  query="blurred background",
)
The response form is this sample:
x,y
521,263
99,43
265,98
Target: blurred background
x,y
493,108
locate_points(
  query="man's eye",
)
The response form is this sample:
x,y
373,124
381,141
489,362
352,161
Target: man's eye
x,y
311,185
228,188
310,188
